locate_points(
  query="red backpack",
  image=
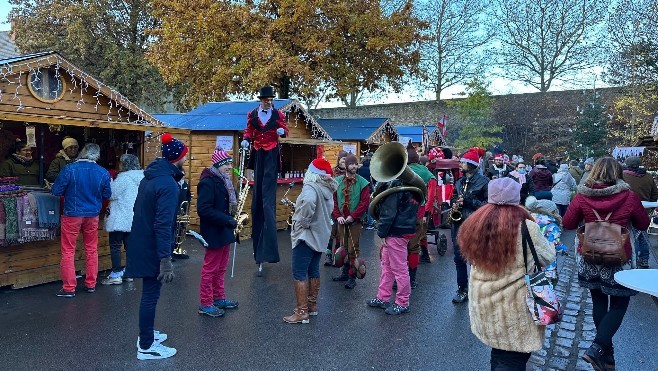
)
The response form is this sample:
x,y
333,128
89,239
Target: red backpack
x,y
602,242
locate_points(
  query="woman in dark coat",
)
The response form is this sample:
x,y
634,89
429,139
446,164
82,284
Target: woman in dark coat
x,y
522,177
216,206
19,163
605,192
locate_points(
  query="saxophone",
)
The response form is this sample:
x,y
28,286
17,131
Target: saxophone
x,y
289,204
240,216
182,222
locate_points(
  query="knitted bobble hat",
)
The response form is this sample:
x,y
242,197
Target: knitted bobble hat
x,y
220,158
172,149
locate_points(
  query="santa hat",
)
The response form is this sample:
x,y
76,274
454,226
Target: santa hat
x,y
536,156
499,156
172,149
471,157
220,158
320,166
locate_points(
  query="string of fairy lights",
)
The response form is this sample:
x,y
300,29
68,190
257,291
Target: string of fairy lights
x,y
81,83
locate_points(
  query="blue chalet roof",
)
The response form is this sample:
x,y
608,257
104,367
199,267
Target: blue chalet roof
x,y
413,132
230,116
353,128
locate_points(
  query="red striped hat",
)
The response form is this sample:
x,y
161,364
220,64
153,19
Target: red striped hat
x,y
221,157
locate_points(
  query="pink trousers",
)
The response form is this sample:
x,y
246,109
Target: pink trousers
x,y
394,267
212,275
71,227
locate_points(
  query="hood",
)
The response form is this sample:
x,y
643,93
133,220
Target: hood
x,y
601,190
206,173
134,175
326,185
542,173
161,167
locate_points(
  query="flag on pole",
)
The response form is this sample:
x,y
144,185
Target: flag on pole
x,y
442,125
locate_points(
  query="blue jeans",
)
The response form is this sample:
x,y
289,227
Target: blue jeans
x,y
460,263
116,240
305,262
641,243
150,295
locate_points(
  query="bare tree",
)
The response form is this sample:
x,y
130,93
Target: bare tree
x,y
544,40
451,53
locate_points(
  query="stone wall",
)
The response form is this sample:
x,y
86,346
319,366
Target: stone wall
x,y
531,122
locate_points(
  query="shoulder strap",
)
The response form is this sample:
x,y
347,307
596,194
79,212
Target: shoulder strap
x,y
598,217
527,243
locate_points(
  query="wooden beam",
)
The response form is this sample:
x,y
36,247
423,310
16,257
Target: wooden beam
x,y
62,120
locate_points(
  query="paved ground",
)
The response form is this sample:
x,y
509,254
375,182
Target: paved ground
x,y
98,331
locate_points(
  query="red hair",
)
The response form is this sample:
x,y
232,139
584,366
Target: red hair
x,y
487,239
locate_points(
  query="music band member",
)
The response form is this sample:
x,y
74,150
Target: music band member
x,y
216,206
351,202
418,243
311,226
499,169
395,228
265,125
149,255
470,194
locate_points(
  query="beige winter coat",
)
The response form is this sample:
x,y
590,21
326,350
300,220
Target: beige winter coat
x,y
499,314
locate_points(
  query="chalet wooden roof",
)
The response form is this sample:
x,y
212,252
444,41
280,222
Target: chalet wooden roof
x,y
126,114
231,116
370,130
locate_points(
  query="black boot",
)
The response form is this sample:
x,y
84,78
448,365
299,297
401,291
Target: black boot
x,y
595,356
425,254
412,277
351,283
461,295
442,246
343,274
329,260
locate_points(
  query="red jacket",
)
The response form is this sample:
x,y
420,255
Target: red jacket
x,y
264,135
626,207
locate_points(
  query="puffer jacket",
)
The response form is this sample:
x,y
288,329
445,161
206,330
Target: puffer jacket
x,y
476,195
563,185
213,207
122,202
617,199
311,221
154,222
397,213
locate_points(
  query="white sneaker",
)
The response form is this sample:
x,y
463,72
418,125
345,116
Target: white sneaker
x,y
156,351
158,337
112,281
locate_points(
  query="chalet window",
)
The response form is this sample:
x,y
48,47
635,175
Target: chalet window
x,y
46,85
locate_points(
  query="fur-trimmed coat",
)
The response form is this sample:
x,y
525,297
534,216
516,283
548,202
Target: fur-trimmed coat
x,y
499,315
625,205
311,221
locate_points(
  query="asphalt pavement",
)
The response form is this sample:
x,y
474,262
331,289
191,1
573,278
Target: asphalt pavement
x,y
98,331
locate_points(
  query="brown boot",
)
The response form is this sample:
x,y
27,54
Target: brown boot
x,y
300,314
313,289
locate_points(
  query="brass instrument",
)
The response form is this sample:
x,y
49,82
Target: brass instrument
x,y
240,216
182,221
456,214
289,204
389,163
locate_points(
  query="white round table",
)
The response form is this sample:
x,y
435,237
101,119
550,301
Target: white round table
x,y
642,280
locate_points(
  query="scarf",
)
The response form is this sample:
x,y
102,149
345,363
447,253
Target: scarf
x,y
521,177
28,222
232,199
3,224
11,212
63,155
22,159
47,209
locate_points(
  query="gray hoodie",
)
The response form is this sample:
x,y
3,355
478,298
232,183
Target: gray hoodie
x,y
311,221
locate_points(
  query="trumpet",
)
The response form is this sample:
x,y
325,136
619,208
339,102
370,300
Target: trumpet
x,y
289,204
456,213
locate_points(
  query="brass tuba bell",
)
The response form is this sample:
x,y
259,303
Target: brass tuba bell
x,y
389,163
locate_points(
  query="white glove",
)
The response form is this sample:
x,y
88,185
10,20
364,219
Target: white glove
x,y
245,144
280,131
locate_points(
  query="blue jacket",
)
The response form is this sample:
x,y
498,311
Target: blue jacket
x,y
213,210
156,207
84,185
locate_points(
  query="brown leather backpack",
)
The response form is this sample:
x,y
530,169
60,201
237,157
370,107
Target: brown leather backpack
x,y
602,242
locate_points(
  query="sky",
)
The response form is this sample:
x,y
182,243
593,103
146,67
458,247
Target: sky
x,y
497,86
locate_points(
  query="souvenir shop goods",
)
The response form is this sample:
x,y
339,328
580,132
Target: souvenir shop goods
x,y
542,301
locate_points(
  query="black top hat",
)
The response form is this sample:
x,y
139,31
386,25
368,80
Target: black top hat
x,y
266,92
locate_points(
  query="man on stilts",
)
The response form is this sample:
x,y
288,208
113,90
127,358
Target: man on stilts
x,y
265,125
